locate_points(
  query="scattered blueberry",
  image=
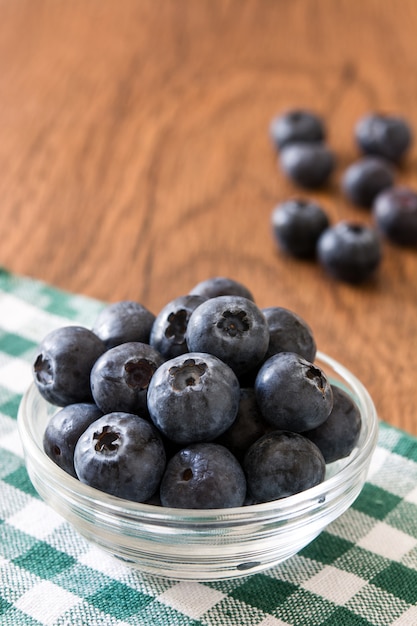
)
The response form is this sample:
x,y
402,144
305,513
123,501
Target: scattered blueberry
x,y
63,364
294,126
339,434
366,178
63,431
350,252
193,397
170,326
395,213
123,321
232,328
121,454
387,136
288,332
221,286
203,476
281,464
121,376
308,165
292,393
297,224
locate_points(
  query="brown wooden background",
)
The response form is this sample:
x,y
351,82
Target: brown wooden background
x,y
135,159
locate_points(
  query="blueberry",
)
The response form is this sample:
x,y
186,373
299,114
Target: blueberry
x,y
281,464
388,136
203,476
288,332
63,364
308,165
339,434
395,213
123,321
121,376
365,179
292,393
193,397
297,224
232,328
221,286
121,454
248,426
168,331
350,252
294,126
63,431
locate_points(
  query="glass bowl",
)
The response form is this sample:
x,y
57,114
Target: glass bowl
x,y
201,544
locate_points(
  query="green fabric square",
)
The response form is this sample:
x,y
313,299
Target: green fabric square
x,y
326,548
361,562
343,617
20,479
81,580
399,581
263,592
44,561
119,600
375,501
407,447
15,345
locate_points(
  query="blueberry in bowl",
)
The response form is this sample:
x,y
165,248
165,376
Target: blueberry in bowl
x,y
187,473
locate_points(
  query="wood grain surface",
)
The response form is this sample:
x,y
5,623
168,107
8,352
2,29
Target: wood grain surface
x,y
135,159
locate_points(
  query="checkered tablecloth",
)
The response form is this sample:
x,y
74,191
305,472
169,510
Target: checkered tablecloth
x,y
361,571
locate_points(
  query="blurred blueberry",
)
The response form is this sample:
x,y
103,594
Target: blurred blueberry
x,y
294,126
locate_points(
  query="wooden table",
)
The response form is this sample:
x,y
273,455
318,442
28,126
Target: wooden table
x,y
135,159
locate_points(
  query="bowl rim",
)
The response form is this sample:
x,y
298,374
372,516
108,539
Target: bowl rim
x,y
71,487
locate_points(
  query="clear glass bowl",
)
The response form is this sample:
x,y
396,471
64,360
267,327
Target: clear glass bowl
x,y
195,544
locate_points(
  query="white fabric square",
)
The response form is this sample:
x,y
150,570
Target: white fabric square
x,y
36,519
335,585
37,602
12,443
273,621
409,618
411,496
105,563
190,598
379,458
387,541
16,375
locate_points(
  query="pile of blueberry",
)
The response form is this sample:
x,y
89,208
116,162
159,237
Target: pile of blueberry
x,y
349,251
211,403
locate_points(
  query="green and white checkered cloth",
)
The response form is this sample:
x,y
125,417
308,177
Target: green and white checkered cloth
x,y
361,571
